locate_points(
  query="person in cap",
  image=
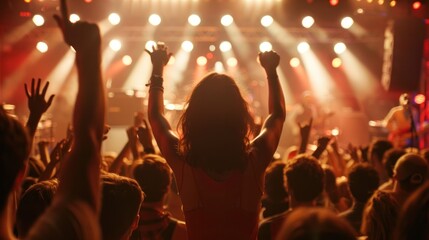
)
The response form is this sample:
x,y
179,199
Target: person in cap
x,y
409,173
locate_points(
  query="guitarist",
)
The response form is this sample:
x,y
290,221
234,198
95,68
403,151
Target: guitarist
x,y
401,123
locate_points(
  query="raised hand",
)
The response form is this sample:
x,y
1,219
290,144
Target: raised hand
x,y
145,137
159,57
82,36
269,60
36,99
305,135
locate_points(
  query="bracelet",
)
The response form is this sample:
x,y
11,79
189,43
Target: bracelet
x,y
156,80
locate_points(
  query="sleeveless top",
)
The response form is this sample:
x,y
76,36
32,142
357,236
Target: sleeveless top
x,y
226,209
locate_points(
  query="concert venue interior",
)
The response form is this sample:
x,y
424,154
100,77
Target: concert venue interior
x,y
355,57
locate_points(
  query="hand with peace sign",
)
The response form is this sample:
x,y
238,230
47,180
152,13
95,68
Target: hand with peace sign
x,y
80,35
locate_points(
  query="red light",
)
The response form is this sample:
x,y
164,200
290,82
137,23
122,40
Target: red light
x,y
88,1
417,5
419,99
209,55
333,2
24,14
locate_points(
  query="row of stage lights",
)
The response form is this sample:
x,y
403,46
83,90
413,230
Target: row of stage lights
x,y
195,20
224,46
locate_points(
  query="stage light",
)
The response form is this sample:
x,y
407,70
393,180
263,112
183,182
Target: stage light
x,y
336,62
417,5
187,46
127,60
333,2
115,45
359,11
88,1
74,17
294,62
201,61
225,46
392,3
149,45
232,62
307,21
42,47
267,20
419,99
154,19
194,20
340,48
380,2
347,22
218,67
114,18
303,47
212,48
38,20
226,20
265,47
27,1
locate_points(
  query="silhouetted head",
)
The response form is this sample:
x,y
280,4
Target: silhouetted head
x,y
390,158
315,223
410,171
363,180
154,177
121,201
216,125
33,203
377,149
15,148
304,178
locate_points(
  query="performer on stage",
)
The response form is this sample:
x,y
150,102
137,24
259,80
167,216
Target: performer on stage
x,y
401,123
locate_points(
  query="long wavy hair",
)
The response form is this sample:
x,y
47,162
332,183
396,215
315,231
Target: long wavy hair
x,y
216,126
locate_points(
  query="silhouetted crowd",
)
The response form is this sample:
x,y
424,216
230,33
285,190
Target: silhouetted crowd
x,y
214,178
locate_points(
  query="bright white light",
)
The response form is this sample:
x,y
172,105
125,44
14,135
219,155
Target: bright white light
x,y
201,61
115,45
303,47
127,60
172,60
129,92
212,48
340,48
218,67
74,17
187,46
307,21
226,20
265,47
149,44
42,47
232,62
114,18
38,20
267,20
225,46
347,22
294,62
154,19
336,62
194,20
